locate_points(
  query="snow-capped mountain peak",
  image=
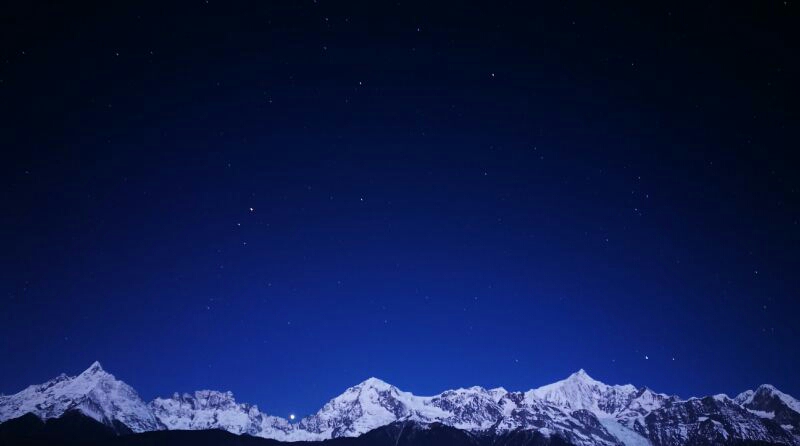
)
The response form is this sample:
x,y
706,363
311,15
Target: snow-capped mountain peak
x,y
95,393
769,389
581,391
94,369
210,409
365,406
375,383
579,409
769,402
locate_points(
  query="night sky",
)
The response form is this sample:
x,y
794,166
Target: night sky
x,y
284,198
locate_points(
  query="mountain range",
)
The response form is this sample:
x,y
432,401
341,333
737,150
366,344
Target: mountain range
x,y
578,411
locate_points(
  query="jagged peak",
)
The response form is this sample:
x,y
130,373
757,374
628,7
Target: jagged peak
x,y
579,377
472,389
373,402
582,376
787,399
205,393
648,392
581,391
94,393
747,396
51,382
204,399
93,369
768,389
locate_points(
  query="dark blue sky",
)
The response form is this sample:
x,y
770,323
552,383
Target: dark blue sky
x,y
472,194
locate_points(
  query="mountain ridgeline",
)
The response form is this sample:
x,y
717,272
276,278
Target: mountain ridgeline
x,y
96,408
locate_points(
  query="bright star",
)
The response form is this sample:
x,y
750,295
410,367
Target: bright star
x,y
291,416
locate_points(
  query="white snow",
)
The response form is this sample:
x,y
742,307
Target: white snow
x,y
762,414
580,391
746,398
371,404
790,401
720,428
720,397
627,436
94,392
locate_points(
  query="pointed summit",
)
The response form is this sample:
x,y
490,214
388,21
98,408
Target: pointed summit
x,y
581,375
94,393
93,369
581,391
375,383
765,393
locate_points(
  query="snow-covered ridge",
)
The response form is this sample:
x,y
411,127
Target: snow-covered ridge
x,y
95,393
580,391
748,397
582,410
